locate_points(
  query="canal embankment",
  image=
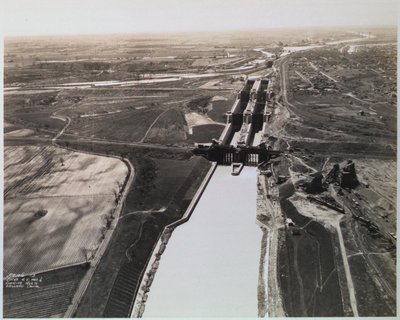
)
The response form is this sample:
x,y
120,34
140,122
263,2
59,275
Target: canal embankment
x,y
210,267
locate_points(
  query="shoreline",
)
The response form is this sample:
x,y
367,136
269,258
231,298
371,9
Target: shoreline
x,y
160,246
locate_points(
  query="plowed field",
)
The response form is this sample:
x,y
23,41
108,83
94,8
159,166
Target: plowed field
x,y
76,193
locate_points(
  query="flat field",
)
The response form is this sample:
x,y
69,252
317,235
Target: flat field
x,y
50,299
167,93
204,133
165,183
340,96
76,192
130,89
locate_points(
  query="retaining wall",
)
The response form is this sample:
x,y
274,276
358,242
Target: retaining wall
x,y
154,261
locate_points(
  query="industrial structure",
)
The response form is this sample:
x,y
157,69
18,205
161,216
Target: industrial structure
x,y
244,138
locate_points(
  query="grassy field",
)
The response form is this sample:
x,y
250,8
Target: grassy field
x,y
51,60
308,275
168,129
204,133
144,114
165,183
67,76
124,126
220,107
32,110
77,191
372,297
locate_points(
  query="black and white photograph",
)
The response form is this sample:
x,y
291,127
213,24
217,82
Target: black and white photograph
x,y
199,159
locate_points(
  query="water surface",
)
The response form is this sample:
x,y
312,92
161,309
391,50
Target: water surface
x,y
210,266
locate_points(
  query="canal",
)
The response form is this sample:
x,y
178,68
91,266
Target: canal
x,y
210,265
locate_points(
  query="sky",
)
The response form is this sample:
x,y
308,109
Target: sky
x,y
52,17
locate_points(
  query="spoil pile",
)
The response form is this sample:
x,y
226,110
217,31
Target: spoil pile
x,y
315,184
344,174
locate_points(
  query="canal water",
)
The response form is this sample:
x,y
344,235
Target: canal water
x,y
210,265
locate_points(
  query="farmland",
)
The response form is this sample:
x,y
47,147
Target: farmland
x,y
76,190
129,126
168,128
205,133
165,183
75,106
138,92
51,298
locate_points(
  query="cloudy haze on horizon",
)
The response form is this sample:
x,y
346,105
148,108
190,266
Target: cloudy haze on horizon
x,y
51,17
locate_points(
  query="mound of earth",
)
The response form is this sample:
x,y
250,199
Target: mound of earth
x,y
344,174
315,185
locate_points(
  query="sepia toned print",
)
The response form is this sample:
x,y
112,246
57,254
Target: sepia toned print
x,y
215,170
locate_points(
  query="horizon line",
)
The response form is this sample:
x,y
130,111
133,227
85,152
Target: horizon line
x,y
172,32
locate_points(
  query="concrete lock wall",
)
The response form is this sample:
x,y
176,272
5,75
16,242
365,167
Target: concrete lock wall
x,y
154,261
